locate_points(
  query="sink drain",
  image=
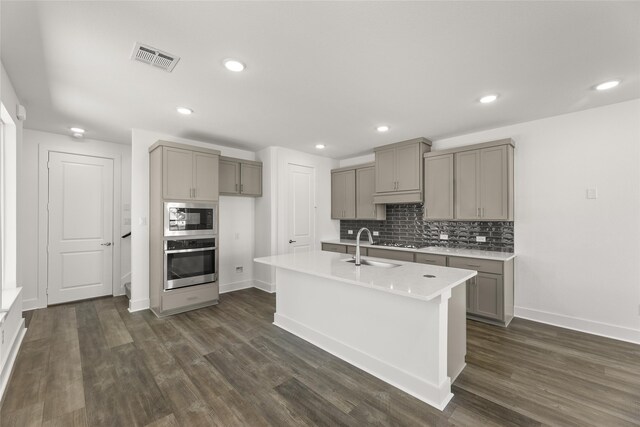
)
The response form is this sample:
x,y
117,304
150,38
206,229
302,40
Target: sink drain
x,y
429,276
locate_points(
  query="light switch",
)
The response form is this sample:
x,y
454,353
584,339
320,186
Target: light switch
x,y
142,220
349,231
592,193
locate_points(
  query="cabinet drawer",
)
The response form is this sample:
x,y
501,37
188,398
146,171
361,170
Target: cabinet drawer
x,y
483,265
195,295
330,247
432,259
352,250
390,254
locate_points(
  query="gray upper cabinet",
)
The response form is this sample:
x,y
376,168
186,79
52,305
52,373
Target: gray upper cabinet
x,y
385,170
399,171
494,183
343,194
438,187
251,179
352,191
189,175
229,176
239,177
205,172
476,185
467,167
365,187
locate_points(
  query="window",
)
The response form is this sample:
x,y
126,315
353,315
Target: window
x,y
8,205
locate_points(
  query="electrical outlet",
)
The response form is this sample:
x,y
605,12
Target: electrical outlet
x,y
444,237
349,231
239,269
481,239
592,193
376,233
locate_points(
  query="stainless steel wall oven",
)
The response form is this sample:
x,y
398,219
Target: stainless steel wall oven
x,y
189,262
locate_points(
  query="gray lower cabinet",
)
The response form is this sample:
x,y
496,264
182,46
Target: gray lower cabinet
x,y
330,247
440,260
239,177
490,292
391,254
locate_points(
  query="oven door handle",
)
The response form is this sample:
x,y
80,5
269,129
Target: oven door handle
x,y
184,251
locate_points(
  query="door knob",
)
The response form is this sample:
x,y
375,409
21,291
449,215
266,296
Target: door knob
x,y
292,241
105,244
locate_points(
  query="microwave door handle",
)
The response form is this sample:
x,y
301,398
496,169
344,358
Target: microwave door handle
x,y
183,251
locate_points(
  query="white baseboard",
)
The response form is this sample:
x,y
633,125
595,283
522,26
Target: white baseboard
x,y
437,396
30,304
582,325
236,286
5,375
264,286
139,305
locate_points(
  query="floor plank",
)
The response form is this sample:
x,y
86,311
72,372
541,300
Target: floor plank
x,y
92,363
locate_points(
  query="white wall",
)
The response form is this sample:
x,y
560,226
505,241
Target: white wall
x,y
10,100
271,209
367,158
33,295
578,260
236,216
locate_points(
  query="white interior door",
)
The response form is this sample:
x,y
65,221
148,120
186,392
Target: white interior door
x,y
80,252
301,208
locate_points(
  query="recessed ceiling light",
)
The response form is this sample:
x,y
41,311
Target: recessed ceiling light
x,y
488,98
382,128
184,110
608,85
234,65
76,130
320,146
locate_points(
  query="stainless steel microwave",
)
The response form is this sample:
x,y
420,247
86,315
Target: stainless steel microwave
x,y
190,219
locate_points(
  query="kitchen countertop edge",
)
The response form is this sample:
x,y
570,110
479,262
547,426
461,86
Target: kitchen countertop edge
x,y
459,252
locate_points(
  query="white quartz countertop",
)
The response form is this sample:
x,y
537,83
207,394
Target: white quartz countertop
x,y
406,280
465,253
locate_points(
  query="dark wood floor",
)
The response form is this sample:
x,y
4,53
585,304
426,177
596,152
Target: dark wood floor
x,y
93,363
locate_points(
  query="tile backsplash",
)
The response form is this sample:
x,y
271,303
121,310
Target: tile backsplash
x,y
405,224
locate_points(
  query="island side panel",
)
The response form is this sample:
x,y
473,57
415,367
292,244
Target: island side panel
x,y
457,331
398,339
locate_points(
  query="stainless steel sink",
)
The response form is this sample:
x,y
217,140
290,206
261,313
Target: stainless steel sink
x,y
373,263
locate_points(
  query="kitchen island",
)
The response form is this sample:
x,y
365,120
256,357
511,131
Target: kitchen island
x,y
404,323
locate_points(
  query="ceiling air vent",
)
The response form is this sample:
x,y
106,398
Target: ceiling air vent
x,y
152,56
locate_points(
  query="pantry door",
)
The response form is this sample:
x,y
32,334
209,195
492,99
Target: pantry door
x,y
80,245
301,208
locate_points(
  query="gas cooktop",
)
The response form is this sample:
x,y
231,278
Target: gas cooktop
x,y
398,245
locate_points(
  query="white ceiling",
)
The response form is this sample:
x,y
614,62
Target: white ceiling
x,y
317,72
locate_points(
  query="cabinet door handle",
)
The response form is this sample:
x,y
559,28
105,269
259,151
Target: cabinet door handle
x,y
473,265
236,187
195,193
241,188
482,213
478,212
